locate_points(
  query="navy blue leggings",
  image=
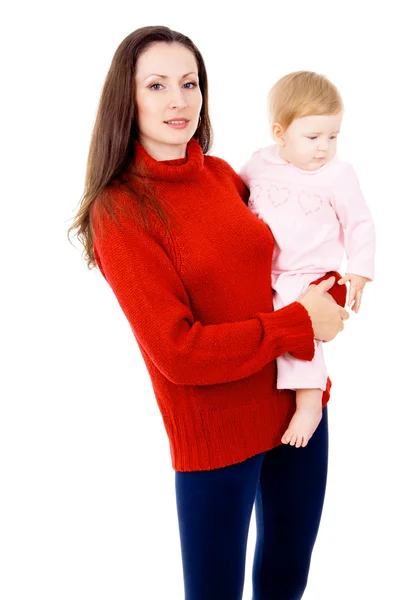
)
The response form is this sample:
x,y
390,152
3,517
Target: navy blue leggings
x,y
287,485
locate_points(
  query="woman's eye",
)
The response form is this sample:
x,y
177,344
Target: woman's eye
x,y
190,85
312,137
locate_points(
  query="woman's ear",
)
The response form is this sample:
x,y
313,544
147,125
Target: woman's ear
x,y
278,133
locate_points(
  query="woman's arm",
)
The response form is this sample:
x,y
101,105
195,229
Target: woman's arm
x,y
156,304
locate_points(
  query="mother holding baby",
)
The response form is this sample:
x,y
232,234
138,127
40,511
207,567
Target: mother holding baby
x,y
169,228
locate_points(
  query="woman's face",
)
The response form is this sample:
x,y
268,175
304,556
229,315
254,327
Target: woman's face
x,y
168,99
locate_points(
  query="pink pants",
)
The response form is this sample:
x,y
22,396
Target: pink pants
x,y
292,373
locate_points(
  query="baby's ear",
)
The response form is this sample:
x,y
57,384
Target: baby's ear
x,y
278,133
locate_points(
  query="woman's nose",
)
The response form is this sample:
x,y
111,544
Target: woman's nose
x,y
177,99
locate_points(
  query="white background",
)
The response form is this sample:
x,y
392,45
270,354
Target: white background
x,y
87,489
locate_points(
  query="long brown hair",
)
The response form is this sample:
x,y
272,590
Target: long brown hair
x,y
111,156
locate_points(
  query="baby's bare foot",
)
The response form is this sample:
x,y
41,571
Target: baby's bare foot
x,y
302,426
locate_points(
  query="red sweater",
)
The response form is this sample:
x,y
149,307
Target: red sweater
x,y
200,306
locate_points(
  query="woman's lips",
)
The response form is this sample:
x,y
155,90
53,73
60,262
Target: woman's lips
x,y
177,123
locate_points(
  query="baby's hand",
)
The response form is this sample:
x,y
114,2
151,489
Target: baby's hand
x,y
357,284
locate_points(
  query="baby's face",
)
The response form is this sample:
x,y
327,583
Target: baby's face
x,y
311,142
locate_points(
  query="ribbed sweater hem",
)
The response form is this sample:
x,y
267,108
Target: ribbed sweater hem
x,y
233,435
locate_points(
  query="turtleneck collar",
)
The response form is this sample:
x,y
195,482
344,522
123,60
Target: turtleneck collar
x,y
175,170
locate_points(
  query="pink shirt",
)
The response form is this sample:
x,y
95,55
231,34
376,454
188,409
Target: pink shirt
x,y
313,215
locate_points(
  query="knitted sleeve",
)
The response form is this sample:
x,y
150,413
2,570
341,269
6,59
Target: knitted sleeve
x,y
241,186
239,183
157,306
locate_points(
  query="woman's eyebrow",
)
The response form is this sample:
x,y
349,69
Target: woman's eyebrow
x,y
166,76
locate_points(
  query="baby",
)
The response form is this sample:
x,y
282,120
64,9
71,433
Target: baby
x,y
312,202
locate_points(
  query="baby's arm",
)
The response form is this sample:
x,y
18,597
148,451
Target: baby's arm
x,y
359,234
357,285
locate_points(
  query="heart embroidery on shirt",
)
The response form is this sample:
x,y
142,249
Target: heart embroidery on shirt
x,y
278,196
310,203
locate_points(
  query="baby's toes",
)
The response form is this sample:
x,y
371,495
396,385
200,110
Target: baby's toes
x,y
287,436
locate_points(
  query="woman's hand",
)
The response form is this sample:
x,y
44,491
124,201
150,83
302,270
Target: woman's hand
x,y
327,317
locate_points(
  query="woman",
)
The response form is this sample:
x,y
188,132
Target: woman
x,y
169,228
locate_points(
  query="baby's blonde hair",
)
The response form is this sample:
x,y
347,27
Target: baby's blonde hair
x,y
301,94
